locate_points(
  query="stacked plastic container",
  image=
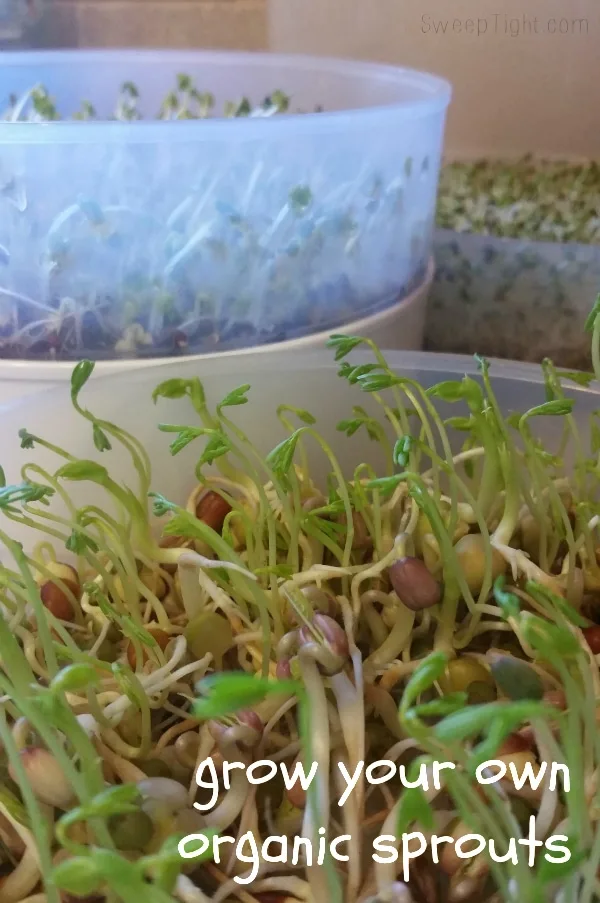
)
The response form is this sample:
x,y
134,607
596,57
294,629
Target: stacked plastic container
x,y
149,238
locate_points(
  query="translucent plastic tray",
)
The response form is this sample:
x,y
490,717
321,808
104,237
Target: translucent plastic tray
x,y
133,239
511,298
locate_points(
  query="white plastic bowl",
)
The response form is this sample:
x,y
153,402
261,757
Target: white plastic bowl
x,y
127,239
398,327
307,380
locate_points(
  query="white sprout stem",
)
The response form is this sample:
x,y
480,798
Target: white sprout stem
x,y
126,771
352,818
194,580
520,563
395,641
186,891
248,823
22,102
467,455
397,551
205,748
153,683
385,872
25,876
350,703
351,709
316,812
232,804
320,572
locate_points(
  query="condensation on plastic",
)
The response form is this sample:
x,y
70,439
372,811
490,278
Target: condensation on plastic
x,y
186,228
400,327
512,298
306,380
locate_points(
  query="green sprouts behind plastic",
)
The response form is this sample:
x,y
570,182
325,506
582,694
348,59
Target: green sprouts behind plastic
x,y
185,101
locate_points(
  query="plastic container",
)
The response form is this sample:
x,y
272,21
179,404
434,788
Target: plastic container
x,y
306,380
399,327
150,238
512,298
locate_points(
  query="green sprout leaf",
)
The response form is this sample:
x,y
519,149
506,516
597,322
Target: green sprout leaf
x,y
180,388
186,434
402,450
171,388
544,595
161,505
349,427
449,390
550,640
74,677
116,800
386,486
27,439
225,694
24,493
473,393
79,543
353,374
445,705
78,875
556,408
83,470
377,382
483,365
301,414
281,458
79,377
461,424
217,446
576,376
414,807
423,677
592,316
236,397
550,872
101,440
343,344
507,602
460,726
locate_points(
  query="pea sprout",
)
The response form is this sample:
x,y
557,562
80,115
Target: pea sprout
x,y
444,608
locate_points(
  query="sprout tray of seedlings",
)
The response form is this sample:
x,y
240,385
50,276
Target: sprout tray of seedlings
x,y
162,249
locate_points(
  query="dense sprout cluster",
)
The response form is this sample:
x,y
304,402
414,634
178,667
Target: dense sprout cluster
x,y
443,608
541,200
185,101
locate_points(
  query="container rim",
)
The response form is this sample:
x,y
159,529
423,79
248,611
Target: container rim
x,y
302,361
436,92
